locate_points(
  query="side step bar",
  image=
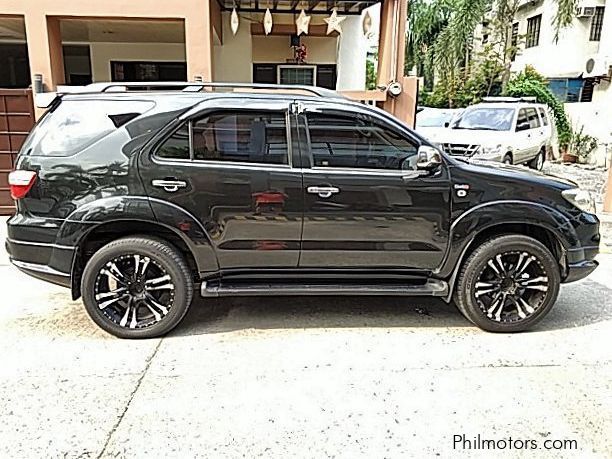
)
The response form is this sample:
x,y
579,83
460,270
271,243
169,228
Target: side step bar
x,y
432,287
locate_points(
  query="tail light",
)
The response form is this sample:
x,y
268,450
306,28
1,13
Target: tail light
x,y
20,183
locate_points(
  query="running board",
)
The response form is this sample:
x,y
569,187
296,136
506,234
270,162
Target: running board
x,y
432,287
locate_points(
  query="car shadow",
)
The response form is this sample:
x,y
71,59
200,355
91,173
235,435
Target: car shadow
x,y
578,305
219,315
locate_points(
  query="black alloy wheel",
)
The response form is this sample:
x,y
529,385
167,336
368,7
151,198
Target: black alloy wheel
x,y
508,284
137,287
511,287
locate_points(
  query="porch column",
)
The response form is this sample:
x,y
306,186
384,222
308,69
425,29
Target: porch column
x,y
352,55
391,49
44,43
198,43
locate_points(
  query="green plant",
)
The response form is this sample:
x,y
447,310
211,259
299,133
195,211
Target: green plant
x,y
370,74
531,83
581,144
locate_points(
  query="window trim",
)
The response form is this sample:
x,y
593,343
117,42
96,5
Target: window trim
x,y
312,67
354,170
534,41
199,162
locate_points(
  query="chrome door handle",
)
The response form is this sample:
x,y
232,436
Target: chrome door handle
x,y
169,185
323,191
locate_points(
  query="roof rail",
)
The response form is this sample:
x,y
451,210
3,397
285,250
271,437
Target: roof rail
x,y
185,86
509,99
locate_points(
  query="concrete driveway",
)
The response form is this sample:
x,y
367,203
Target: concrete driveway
x,y
305,377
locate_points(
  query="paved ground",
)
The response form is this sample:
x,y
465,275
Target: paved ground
x,y
284,377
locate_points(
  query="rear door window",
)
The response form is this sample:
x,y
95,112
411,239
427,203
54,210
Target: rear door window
x,y
543,115
76,124
532,115
241,136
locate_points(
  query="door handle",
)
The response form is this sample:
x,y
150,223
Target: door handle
x,y
169,185
323,191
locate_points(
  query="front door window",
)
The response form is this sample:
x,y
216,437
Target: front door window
x,y
361,143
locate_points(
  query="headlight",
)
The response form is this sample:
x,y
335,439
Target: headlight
x,y
580,198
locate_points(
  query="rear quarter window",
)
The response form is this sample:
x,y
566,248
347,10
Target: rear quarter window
x,y
76,124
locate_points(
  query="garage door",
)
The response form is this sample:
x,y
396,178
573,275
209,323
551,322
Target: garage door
x,y
16,120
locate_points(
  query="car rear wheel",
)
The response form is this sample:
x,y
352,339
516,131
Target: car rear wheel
x,y
507,159
137,287
508,284
537,163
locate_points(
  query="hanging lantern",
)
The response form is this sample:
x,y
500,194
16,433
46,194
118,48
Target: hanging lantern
x,y
302,23
333,22
267,22
234,21
366,24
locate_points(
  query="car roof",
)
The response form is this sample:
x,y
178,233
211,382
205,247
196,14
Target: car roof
x,y
506,105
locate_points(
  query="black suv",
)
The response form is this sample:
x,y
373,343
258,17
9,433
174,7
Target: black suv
x,y
137,198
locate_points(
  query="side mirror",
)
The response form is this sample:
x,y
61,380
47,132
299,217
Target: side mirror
x,y
523,126
429,158
446,124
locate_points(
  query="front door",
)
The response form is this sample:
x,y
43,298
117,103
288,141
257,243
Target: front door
x,y
234,173
365,204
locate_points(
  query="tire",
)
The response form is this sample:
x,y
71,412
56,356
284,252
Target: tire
x,y
507,159
147,308
523,258
538,162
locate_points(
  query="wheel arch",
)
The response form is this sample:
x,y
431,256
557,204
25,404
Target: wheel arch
x,y
493,218
538,232
103,233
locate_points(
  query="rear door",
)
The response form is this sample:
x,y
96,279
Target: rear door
x,y
365,204
231,168
523,143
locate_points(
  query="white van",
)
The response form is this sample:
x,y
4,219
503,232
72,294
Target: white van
x,y
503,129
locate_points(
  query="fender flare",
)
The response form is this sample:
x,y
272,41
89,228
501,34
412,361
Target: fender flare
x,y
474,221
86,218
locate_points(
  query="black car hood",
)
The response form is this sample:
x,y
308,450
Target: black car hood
x,y
519,173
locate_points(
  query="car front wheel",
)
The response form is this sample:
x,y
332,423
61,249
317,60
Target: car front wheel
x,y
137,287
508,284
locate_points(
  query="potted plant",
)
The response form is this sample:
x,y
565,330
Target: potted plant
x,y
580,147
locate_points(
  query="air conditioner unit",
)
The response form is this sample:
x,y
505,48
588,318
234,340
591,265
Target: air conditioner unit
x,y
597,66
585,11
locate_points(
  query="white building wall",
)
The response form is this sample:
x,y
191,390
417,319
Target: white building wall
x,y
562,58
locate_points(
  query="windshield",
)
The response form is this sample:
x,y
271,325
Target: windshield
x,y
486,118
433,118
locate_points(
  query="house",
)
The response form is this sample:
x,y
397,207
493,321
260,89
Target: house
x,y
47,43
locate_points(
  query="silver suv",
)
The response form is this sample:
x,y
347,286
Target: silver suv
x,y
508,130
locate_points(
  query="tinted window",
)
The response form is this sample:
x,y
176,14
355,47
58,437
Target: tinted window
x,y
532,115
358,142
522,118
257,137
544,116
176,146
76,124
